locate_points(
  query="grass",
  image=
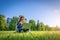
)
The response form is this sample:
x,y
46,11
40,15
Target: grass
x,y
32,35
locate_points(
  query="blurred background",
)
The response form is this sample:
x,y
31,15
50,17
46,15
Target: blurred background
x,y
41,14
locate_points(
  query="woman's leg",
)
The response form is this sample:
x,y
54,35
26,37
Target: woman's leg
x,y
19,30
25,30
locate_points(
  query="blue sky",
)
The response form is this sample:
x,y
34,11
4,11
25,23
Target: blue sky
x,y
47,11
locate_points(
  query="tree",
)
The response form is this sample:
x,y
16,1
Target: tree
x,y
33,25
12,25
47,28
3,24
38,25
41,26
8,20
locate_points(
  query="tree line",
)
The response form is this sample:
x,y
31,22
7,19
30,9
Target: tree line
x,y
10,24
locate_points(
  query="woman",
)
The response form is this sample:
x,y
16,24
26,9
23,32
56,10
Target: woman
x,y
19,24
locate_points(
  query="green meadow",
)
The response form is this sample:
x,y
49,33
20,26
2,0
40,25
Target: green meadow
x,y
31,35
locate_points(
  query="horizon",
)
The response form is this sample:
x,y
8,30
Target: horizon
x,y
47,12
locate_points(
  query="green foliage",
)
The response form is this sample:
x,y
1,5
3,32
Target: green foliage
x,y
12,25
26,26
38,25
33,25
41,26
32,21
3,24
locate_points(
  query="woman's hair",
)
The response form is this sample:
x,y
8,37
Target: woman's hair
x,y
21,18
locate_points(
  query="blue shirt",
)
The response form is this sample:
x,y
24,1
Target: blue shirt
x,y
19,26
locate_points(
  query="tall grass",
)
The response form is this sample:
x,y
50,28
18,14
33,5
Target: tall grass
x,y
33,35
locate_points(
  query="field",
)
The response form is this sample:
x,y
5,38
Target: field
x,y
32,35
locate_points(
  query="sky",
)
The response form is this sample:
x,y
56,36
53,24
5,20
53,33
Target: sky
x,y
46,11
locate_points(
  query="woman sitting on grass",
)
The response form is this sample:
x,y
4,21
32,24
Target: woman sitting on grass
x,y
19,24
